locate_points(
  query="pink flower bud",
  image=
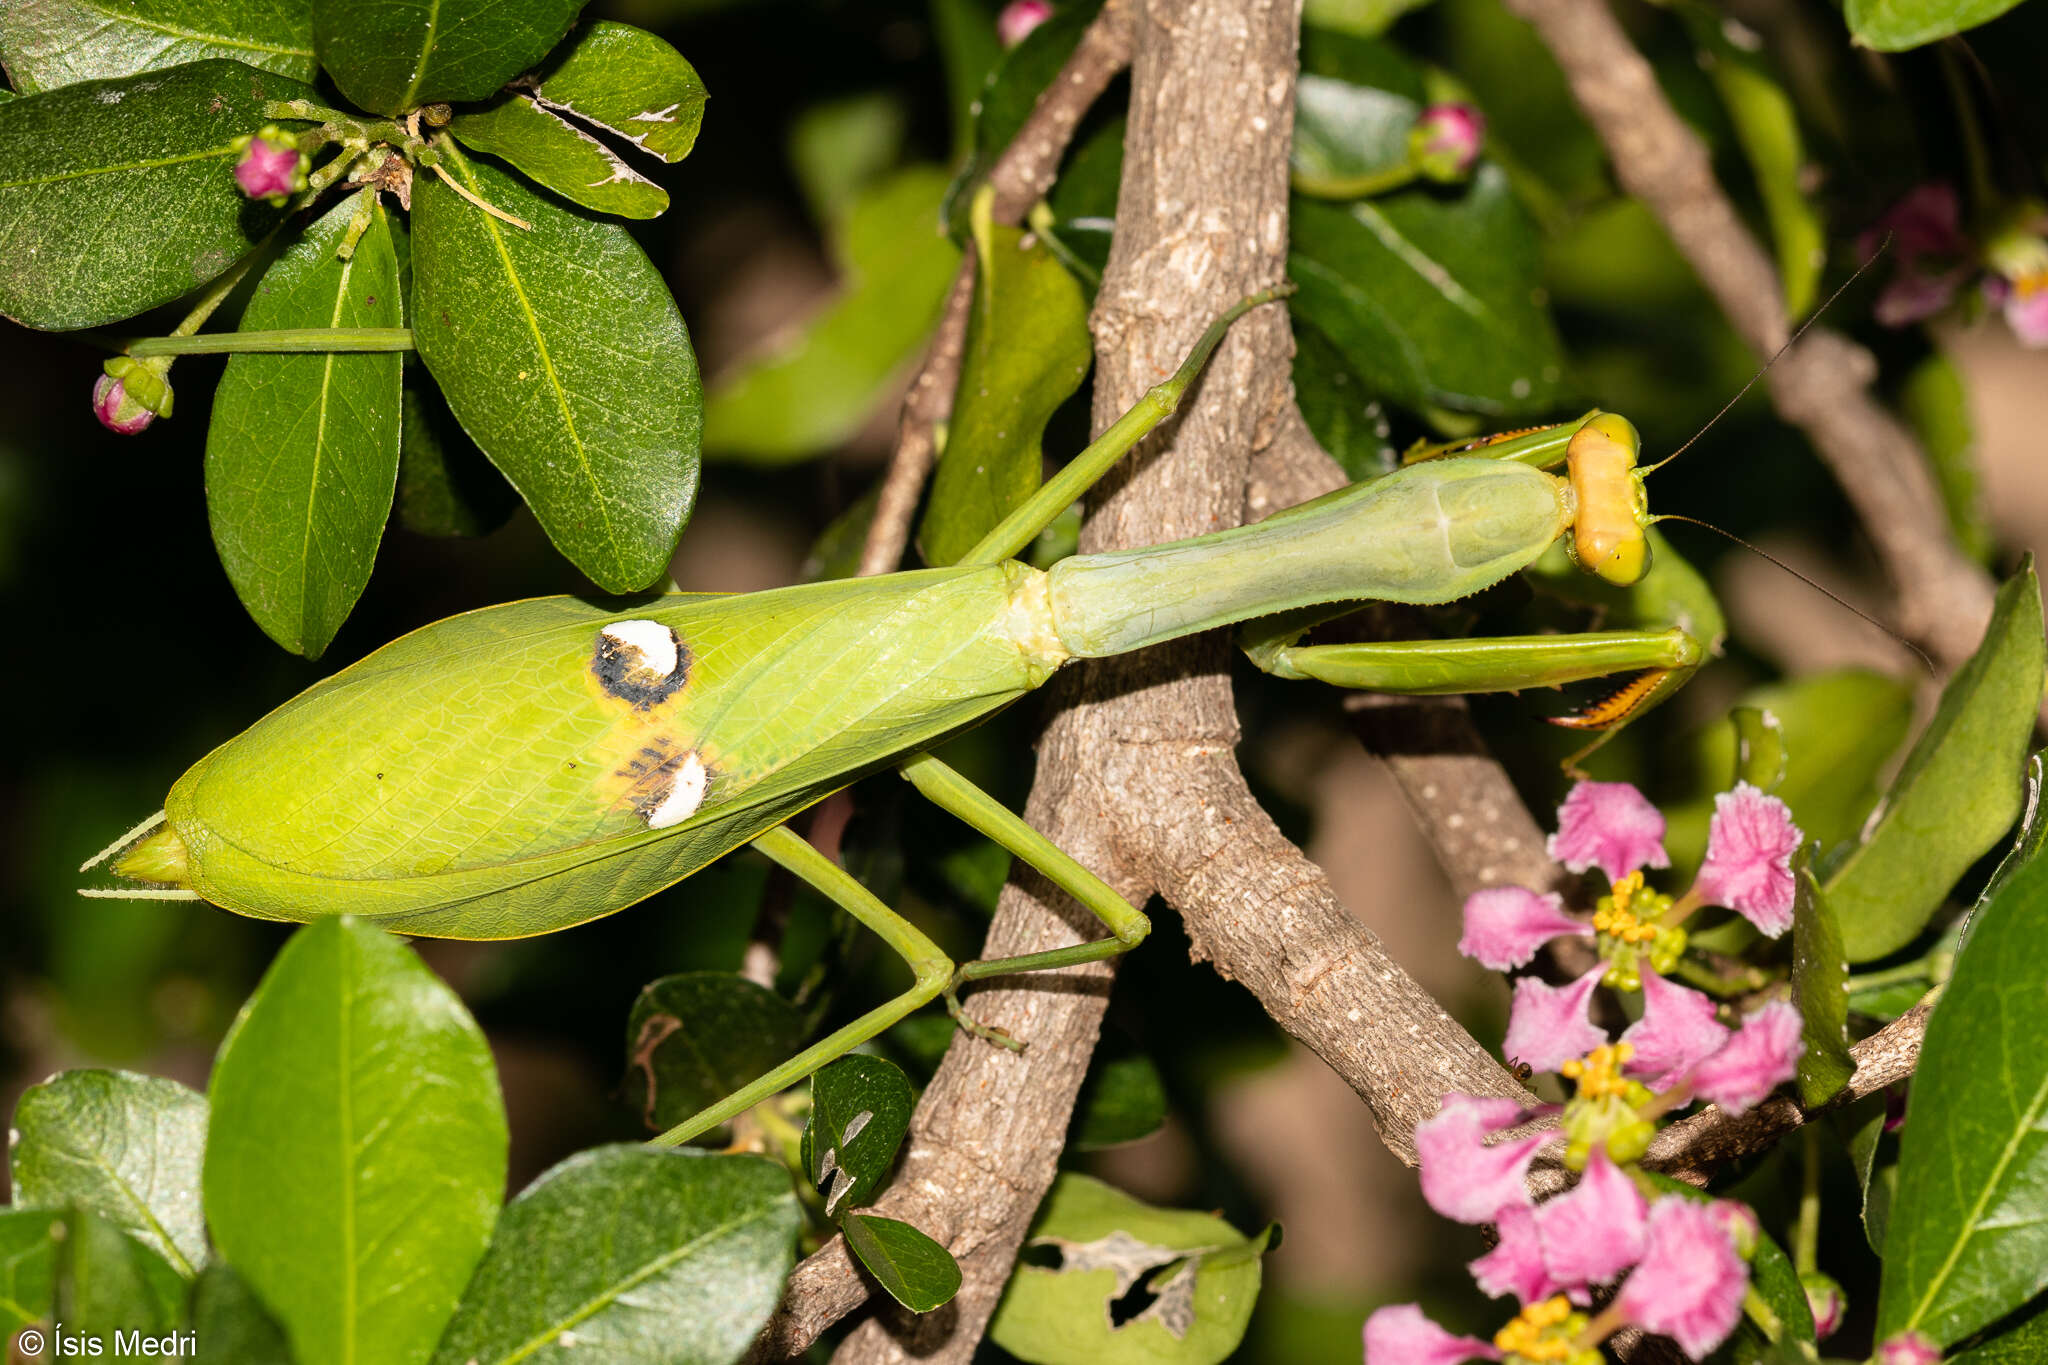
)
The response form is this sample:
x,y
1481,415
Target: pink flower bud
x,y
1748,866
1763,1054
1018,18
1827,1302
1677,1032
1462,1177
1611,826
132,393
1505,925
1908,1348
1400,1335
1444,143
1690,1283
118,412
1547,1025
272,167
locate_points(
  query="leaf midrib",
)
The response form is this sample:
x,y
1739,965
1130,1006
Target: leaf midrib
x,y
345,1130
319,453
419,71
147,1216
222,151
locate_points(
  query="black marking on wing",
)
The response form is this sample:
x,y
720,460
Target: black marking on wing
x,y
622,671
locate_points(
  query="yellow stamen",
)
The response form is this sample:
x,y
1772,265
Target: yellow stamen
x,y
1533,1335
1599,1071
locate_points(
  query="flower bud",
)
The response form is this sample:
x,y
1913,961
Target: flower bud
x,y
1444,143
272,167
1018,18
1824,1296
132,394
1908,1348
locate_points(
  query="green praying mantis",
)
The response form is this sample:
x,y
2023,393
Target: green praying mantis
x,y
526,767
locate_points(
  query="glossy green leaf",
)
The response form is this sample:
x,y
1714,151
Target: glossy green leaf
x,y
1895,25
106,1281
302,455
918,1272
695,1037
400,54
231,1324
814,391
1027,351
126,1147
1009,94
1968,1240
1767,126
28,1267
2026,843
357,1154
1937,406
1433,300
1820,976
1958,791
119,195
860,1110
1353,108
1875,1155
1195,1276
1122,1099
555,152
445,485
631,1256
565,359
1340,410
2025,1342
48,43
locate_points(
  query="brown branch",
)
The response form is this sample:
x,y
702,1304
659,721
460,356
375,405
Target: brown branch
x,y
1822,384
1020,177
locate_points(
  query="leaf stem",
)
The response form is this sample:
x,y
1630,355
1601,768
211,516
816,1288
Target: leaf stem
x,y
286,340
1806,1232
1917,970
222,285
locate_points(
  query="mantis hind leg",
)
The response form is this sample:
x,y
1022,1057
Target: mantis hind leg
x,y
931,969
1127,924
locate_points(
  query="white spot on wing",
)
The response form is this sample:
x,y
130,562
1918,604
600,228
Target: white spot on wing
x,y
653,643
683,797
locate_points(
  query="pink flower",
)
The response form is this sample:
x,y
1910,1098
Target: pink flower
x,y
1445,141
2026,312
1462,1177
1908,1348
1596,1230
1516,1265
1690,1283
271,167
1763,1054
1677,1032
1611,826
1547,1025
118,412
1018,18
1505,925
1748,866
1400,1335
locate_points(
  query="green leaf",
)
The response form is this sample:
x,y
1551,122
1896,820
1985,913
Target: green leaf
x,y
816,390
1895,25
231,1323
445,485
1364,18
2023,1343
1195,1276
1122,1099
1010,93
106,1281
126,1147
1433,300
1338,407
48,43
1346,137
969,50
400,54
840,148
695,1037
28,1267
302,455
357,1155
563,355
2026,843
560,155
860,1110
1820,976
1875,1155
1968,1241
631,1256
1958,791
119,195
1027,351
918,1272
1937,406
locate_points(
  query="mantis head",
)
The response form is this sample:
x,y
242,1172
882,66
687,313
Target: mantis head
x,y
1608,532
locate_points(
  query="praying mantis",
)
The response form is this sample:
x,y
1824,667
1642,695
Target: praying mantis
x,y
527,767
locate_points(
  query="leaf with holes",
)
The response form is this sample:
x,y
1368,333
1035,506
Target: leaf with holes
x,y
302,453
695,1037
563,356
127,1147
860,1110
119,195
397,55
1132,1283
48,43
918,1272
631,1256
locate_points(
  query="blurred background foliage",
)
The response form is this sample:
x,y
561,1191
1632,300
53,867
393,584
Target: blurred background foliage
x,y
804,249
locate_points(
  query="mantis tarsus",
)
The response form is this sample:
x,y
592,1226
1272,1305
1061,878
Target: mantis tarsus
x,y
526,767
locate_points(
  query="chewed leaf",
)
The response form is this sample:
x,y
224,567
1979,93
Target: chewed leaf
x,y
626,81
560,155
695,1037
860,1110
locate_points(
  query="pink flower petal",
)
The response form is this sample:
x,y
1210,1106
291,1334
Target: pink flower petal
x,y
268,169
1446,140
1689,1284
1400,1335
1916,294
1547,1025
1611,826
1018,18
1908,1348
1677,1032
1763,1055
2026,312
1596,1230
1827,1303
1462,1177
1748,866
1505,925
1515,1266
110,403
